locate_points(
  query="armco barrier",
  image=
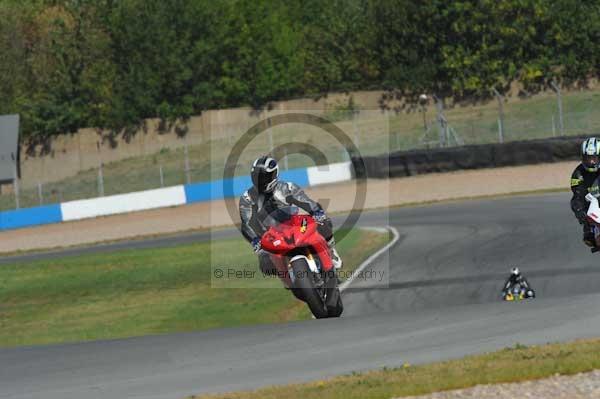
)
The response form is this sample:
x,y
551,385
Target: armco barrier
x,y
123,203
163,197
218,189
213,190
30,217
331,173
393,165
409,163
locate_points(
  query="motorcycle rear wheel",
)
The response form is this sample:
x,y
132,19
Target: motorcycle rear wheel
x,y
304,284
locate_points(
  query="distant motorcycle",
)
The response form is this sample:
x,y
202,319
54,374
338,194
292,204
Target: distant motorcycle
x,y
301,257
517,293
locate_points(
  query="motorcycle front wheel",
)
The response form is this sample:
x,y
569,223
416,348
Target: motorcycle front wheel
x,y
335,307
305,288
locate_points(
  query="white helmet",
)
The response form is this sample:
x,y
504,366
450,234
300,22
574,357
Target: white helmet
x,y
515,271
590,154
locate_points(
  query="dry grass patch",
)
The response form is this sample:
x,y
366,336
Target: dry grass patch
x,y
519,363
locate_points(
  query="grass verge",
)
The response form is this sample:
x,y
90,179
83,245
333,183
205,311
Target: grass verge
x,y
516,364
151,291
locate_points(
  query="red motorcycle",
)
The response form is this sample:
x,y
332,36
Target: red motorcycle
x,y
303,263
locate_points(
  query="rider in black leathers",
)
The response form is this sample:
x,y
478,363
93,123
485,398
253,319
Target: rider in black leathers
x,y
584,180
263,203
517,278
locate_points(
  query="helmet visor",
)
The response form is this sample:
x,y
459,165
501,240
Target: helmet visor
x,y
262,179
591,161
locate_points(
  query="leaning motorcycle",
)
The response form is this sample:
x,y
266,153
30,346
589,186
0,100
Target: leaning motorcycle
x,y
301,257
593,216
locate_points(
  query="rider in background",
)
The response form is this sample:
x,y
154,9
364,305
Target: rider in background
x,y
517,278
584,181
262,201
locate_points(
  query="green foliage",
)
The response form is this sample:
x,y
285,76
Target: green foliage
x,y
110,64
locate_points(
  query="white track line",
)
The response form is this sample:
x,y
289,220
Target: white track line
x,y
371,258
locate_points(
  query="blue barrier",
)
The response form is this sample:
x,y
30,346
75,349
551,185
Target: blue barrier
x,y
298,176
213,190
219,189
30,217
197,192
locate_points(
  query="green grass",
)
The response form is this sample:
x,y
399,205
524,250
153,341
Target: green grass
x,y
524,119
516,364
151,291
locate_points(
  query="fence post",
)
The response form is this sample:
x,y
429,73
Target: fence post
x,y
424,112
162,179
346,155
499,97
40,193
500,135
186,162
100,181
16,188
285,159
553,126
100,172
270,135
441,120
561,125
355,127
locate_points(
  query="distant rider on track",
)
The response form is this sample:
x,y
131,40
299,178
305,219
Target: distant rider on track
x,y
517,278
584,180
260,204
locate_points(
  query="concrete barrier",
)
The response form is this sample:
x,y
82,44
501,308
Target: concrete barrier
x,y
331,173
123,203
389,165
163,197
30,217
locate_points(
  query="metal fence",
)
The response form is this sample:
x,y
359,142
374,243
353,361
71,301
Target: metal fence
x,y
430,125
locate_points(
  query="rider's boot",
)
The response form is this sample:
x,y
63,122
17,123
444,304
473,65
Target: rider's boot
x,y
589,237
335,257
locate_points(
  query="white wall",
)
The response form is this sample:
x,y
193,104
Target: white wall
x,y
123,203
331,173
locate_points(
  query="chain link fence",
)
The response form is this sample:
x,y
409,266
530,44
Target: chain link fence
x,y
430,125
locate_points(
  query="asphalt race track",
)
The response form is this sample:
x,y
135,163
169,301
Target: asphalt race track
x,y
440,300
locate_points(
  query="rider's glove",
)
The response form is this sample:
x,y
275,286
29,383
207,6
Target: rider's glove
x,y
320,216
256,244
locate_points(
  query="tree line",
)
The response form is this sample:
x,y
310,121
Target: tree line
x,y
67,64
